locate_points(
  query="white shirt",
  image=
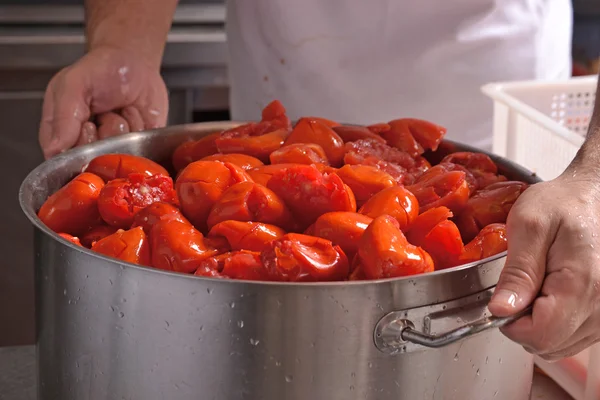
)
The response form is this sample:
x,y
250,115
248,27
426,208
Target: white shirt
x,y
367,61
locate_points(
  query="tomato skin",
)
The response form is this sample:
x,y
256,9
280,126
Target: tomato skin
x,y
178,246
371,152
131,246
250,143
324,121
488,206
353,133
116,166
252,236
194,150
384,252
491,240
121,199
308,193
262,175
343,229
73,239
201,184
435,189
242,264
480,166
299,153
379,128
155,212
243,161
312,131
275,114
365,181
97,233
397,202
249,201
73,209
302,258
438,236
414,135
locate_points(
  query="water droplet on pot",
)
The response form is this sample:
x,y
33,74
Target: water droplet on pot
x,y
254,342
110,281
65,292
277,363
351,387
209,290
289,378
477,372
121,314
370,365
456,357
167,324
500,360
241,324
353,375
232,304
487,359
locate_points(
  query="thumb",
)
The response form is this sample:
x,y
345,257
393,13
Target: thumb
x,y
525,267
63,115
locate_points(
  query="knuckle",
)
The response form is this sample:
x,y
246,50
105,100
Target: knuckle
x,y
520,274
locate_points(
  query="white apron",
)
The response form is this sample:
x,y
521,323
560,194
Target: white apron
x,y
366,61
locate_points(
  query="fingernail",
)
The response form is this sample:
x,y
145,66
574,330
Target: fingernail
x,y
505,298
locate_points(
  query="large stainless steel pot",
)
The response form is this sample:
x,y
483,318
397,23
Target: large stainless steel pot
x,y
111,330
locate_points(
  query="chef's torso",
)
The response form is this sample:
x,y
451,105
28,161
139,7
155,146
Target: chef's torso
x,y
366,61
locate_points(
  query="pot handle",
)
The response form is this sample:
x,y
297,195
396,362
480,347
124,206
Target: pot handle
x,y
391,336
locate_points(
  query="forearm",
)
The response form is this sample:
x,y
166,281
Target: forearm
x,y
588,156
137,26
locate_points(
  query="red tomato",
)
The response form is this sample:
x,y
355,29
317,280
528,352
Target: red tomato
x,y
350,133
115,166
96,233
481,166
358,274
275,114
190,151
370,152
121,199
244,140
243,161
435,189
130,246
379,128
397,202
70,238
302,258
178,246
490,241
384,251
488,206
308,193
73,209
241,264
414,135
262,175
365,181
253,236
300,153
249,201
344,229
150,215
201,184
324,121
438,236
311,131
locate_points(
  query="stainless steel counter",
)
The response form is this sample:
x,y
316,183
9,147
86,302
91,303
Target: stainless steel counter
x,y
17,377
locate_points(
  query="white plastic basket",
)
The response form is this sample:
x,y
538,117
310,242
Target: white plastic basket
x,y
541,125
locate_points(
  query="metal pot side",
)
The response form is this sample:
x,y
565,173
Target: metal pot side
x,y
108,329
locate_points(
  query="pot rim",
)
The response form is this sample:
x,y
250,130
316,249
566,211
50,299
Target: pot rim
x,y
196,129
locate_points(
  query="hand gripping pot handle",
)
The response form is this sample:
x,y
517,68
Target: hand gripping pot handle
x,y
397,331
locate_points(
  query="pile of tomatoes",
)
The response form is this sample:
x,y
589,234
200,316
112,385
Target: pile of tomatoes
x,y
272,201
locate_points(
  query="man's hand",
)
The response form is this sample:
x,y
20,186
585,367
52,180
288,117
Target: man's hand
x,y
116,87
107,92
554,262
